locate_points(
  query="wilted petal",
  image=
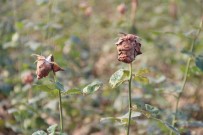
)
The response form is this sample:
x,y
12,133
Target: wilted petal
x,y
56,67
43,68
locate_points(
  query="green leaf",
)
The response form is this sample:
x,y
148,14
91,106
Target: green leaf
x,y
141,79
199,62
150,112
138,108
191,124
49,88
139,76
41,2
89,89
116,120
118,78
51,129
39,132
172,128
153,110
195,70
72,92
110,120
59,86
122,119
44,87
19,25
92,87
189,53
142,72
133,115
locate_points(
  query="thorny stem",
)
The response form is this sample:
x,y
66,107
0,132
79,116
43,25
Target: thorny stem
x,y
60,109
129,98
185,75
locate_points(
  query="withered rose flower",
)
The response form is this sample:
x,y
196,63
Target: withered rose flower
x,y
121,8
45,65
27,77
83,4
88,11
128,47
173,9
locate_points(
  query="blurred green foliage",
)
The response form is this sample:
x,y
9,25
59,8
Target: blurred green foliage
x,y
81,34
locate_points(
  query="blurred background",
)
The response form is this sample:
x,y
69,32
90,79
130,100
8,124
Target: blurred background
x,y
81,34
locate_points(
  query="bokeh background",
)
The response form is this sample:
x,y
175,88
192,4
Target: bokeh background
x,y
81,34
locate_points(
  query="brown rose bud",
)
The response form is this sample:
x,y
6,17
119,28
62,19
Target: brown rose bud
x,y
83,4
27,77
45,65
128,47
88,11
121,8
173,9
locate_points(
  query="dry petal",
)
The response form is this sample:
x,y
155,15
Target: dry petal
x,y
43,68
56,67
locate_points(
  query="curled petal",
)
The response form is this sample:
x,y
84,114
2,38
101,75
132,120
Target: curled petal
x,y
43,68
56,67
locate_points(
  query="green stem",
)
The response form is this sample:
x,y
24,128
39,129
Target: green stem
x,y
61,109
129,98
185,76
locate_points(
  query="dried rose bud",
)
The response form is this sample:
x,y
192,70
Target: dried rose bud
x,y
121,8
88,11
173,9
27,77
83,4
128,48
45,65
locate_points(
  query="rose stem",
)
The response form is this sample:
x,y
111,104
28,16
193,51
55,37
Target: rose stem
x,y
60,108
185,75
129,98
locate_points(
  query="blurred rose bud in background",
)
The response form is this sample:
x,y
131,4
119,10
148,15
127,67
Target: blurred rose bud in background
x,y
27,77
121,8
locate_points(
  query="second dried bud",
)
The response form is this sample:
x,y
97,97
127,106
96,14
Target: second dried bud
x,y
128,47
45,65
